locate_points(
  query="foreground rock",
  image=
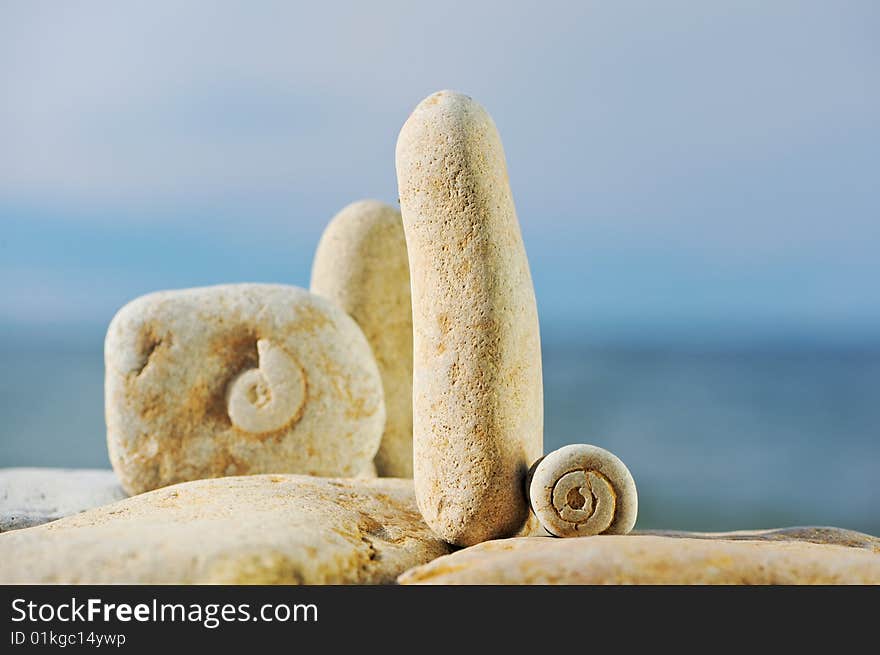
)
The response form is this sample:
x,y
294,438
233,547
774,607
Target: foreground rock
x,y
262,529
238,379
811,533
768,557
31,496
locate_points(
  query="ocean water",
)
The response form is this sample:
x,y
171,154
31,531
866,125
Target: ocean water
x,y
730,438
719,439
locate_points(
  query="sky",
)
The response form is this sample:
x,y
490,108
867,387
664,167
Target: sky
x,y
679,168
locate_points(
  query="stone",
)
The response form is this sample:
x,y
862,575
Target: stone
x,y
361,264
31,496
259,529
477,386
581,490
812,534
238,379
752,558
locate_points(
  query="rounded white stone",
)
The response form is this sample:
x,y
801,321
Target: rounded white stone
x,y
581,490
361,265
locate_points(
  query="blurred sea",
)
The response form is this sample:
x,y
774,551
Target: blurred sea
x,y
719,438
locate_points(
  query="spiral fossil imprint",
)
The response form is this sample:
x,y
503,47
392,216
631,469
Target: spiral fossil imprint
x,y
270,397
581,490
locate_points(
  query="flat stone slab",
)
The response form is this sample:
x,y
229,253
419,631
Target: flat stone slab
x,y
259,529
787,556
813,533
32,496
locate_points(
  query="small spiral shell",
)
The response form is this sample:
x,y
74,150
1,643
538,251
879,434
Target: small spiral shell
x,y
582,490
270,397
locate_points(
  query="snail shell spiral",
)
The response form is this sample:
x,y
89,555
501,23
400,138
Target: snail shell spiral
x,y
582,490
270,397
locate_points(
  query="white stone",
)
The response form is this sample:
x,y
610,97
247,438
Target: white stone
x,y
361,265
751,558
238,379
581,490
31,496
258,529
477,387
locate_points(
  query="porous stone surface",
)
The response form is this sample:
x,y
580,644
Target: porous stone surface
x,y
581,490
477,387
361,265
260,529
31,496
759,558
238,379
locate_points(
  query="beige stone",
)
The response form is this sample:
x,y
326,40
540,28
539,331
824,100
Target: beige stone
x,y
477,388
581,490
361,265
812,534
651,559
31,496
238,379
369,471
260,529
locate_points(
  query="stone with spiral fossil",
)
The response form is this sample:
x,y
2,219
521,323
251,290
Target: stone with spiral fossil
x,y
581,490
239,379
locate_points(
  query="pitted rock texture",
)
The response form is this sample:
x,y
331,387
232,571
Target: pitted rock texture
x,y
238,379
361,265
477,386
261,529
652,559
32,496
